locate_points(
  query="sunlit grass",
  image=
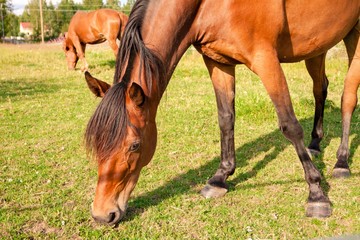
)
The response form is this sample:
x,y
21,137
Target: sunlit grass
x,y
47,181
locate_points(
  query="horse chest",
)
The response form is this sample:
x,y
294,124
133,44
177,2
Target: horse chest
x,y
225,56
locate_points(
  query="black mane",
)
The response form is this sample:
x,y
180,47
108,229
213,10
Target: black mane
x,y
132,44
107,127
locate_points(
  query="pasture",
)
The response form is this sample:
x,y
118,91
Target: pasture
x,y
47,182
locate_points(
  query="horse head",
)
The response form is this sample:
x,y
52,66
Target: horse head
x,y
122,138
70,53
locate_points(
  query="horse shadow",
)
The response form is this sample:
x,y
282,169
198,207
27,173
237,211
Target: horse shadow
x,y
21,87
265,144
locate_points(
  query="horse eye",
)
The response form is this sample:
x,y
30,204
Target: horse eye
x,y
134,147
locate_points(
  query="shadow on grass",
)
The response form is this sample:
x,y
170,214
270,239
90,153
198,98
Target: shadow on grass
x,y
274,142
24,87
105,63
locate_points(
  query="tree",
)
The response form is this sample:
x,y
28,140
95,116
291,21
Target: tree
x,y
113,4
64,12
128,6
51,29
9,21
92,4
12,25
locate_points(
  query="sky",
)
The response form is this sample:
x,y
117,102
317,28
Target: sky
x,y
19,5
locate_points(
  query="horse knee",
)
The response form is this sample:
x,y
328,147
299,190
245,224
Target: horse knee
x,y
226,122
292,130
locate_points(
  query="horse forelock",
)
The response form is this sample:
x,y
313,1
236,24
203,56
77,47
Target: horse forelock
x,y
132,45
107,127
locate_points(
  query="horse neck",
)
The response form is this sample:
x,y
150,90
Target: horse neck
x,y
167,31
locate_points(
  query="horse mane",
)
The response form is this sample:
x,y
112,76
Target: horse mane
x,y
132,44
107,127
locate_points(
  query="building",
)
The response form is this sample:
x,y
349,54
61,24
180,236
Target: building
x,y
26,28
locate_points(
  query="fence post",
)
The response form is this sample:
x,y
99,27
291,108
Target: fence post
x,y
2,20
41,22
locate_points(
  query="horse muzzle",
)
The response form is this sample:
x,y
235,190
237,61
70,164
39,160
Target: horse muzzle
x,y
71,67
110,217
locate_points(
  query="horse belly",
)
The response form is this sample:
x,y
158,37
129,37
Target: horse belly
x,y
98,39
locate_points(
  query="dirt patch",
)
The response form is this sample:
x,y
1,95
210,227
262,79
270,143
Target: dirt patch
x,y
41,228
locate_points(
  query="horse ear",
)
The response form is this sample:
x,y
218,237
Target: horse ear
x,y
137,94
96,86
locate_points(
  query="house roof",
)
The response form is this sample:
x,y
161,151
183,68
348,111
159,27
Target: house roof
x,y
26,25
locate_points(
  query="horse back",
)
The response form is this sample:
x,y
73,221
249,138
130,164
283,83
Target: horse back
x,y
95,26
295,30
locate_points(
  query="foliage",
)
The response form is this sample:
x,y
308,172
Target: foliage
x,y
128,6
47,182
65,10
9,21
56,18
113,4
92,4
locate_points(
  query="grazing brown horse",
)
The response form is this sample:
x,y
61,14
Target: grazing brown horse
x,y
260,34
92,28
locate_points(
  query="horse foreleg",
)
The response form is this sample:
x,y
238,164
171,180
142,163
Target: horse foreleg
x,y
267,66
316,69
223,80
348,101
80,50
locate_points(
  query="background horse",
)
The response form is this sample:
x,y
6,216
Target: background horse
x,y
260,34
92,28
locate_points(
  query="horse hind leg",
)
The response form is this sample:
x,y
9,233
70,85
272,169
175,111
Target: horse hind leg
x,y
113,45
85,66
112,35
316,69
223,80
267,66
348,101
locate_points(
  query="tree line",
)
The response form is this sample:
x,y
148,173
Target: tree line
x,y
56,18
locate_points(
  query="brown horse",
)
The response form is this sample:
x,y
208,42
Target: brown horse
x,y
260,34
92,28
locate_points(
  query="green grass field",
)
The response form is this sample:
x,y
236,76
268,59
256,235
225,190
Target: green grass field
x,y
47,182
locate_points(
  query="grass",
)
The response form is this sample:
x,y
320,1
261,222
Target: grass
x,y
47,182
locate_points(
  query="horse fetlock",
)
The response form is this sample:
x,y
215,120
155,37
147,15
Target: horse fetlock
x,y
342,154
218,181
314,177
314,147
341,168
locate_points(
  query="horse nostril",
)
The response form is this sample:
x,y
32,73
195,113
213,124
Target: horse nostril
x,y
111,217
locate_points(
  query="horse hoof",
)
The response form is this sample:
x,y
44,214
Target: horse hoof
x,y
341,173
318,210
213,192
313,152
